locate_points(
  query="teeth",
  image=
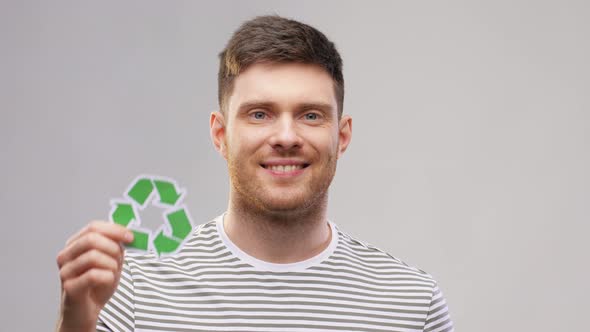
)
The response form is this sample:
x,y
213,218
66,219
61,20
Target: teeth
x,y
284,168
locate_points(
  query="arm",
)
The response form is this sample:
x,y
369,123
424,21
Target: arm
x,y
438,319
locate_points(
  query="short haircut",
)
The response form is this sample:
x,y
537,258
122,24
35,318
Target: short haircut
x,y
275,39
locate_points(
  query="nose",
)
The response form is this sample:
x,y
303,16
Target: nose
x,y
285,134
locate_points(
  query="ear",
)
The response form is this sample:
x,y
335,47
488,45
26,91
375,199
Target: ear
x,y
217,132
344,134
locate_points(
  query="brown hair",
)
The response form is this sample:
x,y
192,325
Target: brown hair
x,y
277,39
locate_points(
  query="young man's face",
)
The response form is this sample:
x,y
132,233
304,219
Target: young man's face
x,y
282,135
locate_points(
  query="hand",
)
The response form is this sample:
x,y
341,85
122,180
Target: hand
x,y
90,268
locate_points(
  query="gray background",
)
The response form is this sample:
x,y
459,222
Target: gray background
x,y
469,158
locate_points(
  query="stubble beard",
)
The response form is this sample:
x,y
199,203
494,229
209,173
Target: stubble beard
x,y
251,197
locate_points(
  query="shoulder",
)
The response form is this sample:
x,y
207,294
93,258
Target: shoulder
x,y
368,257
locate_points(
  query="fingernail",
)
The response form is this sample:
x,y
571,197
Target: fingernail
x,y
129,236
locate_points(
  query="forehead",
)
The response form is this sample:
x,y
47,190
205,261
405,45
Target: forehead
x,y
284,84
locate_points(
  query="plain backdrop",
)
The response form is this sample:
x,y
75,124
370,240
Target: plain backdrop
x,y
470,155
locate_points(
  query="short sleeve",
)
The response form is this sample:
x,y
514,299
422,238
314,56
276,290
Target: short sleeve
x,y
438,319
119,313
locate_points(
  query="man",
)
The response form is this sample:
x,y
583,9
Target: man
x,y
272,262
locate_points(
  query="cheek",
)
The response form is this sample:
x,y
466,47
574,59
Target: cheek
x,y
328,139
245,144
324,142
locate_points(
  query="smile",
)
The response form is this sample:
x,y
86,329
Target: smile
x,y
284,168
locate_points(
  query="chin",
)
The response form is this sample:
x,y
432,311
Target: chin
x,y
279,205
292,205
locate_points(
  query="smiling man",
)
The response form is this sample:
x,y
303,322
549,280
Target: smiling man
x,y
281,133
272,261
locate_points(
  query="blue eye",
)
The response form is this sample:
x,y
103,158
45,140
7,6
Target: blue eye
x,y
311,116
259,115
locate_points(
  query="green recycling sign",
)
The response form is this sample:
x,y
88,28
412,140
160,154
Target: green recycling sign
x,y
161,192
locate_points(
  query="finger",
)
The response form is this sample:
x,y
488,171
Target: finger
x,y
86,243
90,278
113,231
88,260
122,256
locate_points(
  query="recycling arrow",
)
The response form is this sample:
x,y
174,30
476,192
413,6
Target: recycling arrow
x,y
180,224
165,244
168,193
140,240
143,192
123,214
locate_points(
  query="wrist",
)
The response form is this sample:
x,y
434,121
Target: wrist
x,y
63,326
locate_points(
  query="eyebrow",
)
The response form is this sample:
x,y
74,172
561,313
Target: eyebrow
x,y
255,104
324,107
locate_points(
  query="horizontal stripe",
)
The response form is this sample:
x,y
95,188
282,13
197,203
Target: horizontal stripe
x,y
208,286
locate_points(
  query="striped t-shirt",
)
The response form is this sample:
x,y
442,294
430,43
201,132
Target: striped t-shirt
x,y
212,285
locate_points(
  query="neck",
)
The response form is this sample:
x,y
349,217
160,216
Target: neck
x,y
277,236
